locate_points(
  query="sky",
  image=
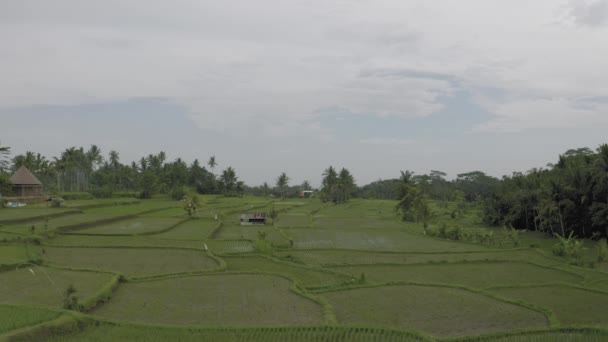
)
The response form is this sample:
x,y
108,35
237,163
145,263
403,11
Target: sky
x,y
273,86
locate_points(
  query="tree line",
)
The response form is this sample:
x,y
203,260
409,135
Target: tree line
x,y
569,197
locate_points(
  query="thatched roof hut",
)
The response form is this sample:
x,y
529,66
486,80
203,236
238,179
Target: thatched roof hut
x,y
25,184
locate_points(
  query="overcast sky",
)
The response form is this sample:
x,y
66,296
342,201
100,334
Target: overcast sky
x,y
279,85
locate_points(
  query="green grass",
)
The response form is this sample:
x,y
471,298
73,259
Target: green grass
x,y
15,317
196,229
170,212
133,262
120,241
305,276
129,332
576,335
214,300
439,311
9,214
374,239
230,246
44,286
353,223
293,220
238,232
346,257
132,227
10,255
570,305
470,274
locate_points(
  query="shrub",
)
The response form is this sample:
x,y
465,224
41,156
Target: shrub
x,y
569,247
73,196
454,234
70,301
178,193
104,192
443,231
57,202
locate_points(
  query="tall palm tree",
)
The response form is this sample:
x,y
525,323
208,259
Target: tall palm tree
x,y
212,163
282,182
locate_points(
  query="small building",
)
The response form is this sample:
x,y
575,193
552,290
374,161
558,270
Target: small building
x,y
25,184
253,218
306,194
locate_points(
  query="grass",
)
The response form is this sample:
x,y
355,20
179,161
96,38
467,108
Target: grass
x,y
238,232
570,305
132,227
470,274
10,214
133,262
15,317
567,335
44,286
374,239
293,220
347,257
214,300
131,332
307,277
120,241
11,255
196,229
439,311
230,246
354,223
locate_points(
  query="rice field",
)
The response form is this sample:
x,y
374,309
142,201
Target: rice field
x,y
571,305
464,274
133,227
214,300
132,262
438,311
15,317
320,271
306,276
43,286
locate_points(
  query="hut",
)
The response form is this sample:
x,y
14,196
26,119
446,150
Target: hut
x,y
253,218
25,184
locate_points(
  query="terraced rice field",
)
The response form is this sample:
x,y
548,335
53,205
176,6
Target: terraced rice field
x,y
439,311
221,300
322,272
133,262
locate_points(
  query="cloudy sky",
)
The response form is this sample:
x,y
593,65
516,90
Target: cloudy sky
x,y
281,85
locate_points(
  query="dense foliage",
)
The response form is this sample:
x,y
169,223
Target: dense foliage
x,y
568,197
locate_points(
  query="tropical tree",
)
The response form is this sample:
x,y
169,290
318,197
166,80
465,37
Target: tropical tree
x,y
212,163
346,186
5,151
282,182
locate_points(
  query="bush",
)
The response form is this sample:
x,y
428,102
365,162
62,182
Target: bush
x,y
178,193
145,194
73,196
104,192
57,202
454,234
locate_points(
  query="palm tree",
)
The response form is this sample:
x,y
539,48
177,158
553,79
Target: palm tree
x,y
212,163
282,182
